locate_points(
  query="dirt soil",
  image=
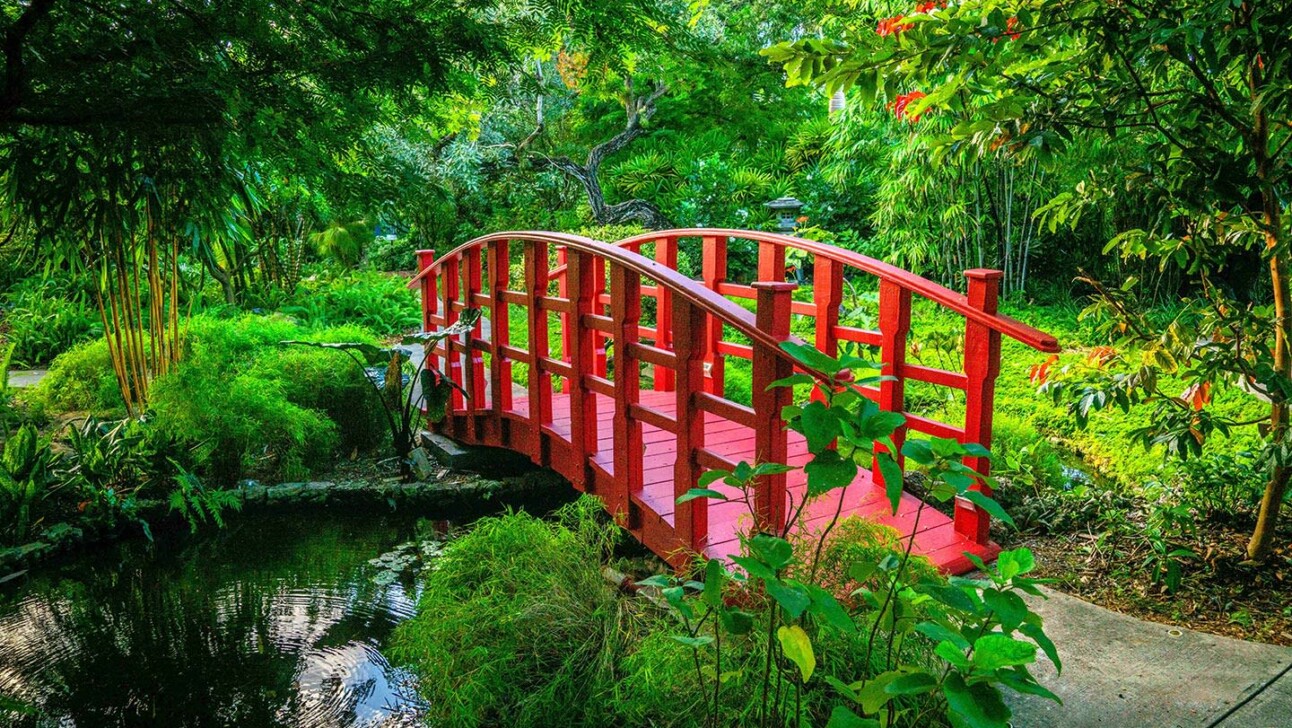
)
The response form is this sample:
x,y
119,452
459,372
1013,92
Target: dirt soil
x,y
1220,592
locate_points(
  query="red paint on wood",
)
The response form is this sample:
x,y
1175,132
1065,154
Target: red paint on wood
x,y
665,255
540,382
583,403
982,366
690,519
773,316
625,287
639,451
499,328
714,272
894,325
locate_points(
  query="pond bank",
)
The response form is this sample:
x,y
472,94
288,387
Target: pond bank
x,y
466,495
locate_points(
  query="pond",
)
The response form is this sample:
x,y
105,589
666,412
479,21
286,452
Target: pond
x,y
275,620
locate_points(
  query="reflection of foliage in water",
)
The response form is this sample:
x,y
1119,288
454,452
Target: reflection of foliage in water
x,y
274,619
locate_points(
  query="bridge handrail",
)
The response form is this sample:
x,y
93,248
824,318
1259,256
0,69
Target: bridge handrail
x,y
931,290
714,303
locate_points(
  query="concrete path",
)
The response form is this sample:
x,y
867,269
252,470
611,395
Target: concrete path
x,y
26,378
1121,671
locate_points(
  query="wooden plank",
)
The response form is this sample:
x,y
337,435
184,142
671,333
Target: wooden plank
x,y
894,325
665,255
773,317
982,366
584,427
690,519
713,273
540,382
725,409
628,450
499,332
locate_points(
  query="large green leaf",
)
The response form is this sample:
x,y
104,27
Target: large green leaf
x,y
974,706
797,647
829,471
994,651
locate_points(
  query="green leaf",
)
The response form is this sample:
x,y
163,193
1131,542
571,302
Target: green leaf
x,y
792,598
695,493
1032,628
754,567
919,451
694,643
893,481
826,607
862,570
709,477
974,706
736,622
940,632
714,576
829,471
842,717
1009,607
914,683
820,426
987,503
994,651
1010,564
798,649
771,550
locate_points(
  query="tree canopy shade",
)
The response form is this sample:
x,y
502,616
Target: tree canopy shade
x,y
126,128
1205,90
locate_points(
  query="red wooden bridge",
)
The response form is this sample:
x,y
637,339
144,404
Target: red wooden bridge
x,y
621,316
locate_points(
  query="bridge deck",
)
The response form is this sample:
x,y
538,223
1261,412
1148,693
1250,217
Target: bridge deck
x,y
935,534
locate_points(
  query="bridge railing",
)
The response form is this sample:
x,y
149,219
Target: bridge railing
x,y
596,303
593,294
984,327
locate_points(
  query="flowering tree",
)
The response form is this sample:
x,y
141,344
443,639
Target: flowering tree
x,y
1204,88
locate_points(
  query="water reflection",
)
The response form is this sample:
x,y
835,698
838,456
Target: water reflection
x,y
274,621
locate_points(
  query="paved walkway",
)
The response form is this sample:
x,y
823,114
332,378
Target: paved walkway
x,y
26,378
1121,671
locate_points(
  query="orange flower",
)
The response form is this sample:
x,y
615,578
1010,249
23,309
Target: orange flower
x,y
902,101
1040,373
892,26
801,219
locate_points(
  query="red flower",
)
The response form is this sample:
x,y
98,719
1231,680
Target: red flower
x,y
902,101
1009,29
892,26
926,7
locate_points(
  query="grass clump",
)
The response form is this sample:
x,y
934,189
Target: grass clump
x,y
517,626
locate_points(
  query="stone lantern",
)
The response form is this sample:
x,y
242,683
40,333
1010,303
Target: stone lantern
x,y
787,212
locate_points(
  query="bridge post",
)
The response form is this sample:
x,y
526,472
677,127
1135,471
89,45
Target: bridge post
x,y
982,366
452,268
626,311
665,255
827,295
714,272
771,443
583,403
894,325
690,519
563,290
475,376
426,258
499,330
540,382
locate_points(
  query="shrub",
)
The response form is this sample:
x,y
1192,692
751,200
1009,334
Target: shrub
x,y
44,323
399,254
369,299
242,422
329,384
516,625
80,380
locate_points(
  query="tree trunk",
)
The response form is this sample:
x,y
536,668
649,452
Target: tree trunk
x,y
1262,542
636,210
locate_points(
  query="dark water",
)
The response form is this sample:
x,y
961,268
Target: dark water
x,y
275,620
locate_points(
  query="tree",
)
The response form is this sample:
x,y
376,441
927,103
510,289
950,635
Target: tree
x,y
132,133
1205,89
